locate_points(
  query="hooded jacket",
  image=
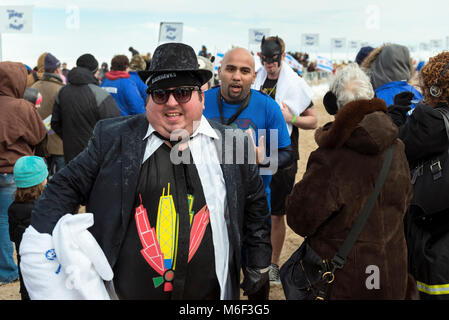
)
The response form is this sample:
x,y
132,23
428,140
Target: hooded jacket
x,y
340,177
21,128
390,69
48,87
124,91
78,107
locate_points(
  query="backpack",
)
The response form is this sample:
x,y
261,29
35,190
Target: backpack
x,y
430,178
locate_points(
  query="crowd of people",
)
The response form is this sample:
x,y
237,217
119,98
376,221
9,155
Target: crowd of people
x,y
187,184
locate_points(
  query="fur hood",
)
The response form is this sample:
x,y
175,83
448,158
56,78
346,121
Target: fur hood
x,y
384,67
361,125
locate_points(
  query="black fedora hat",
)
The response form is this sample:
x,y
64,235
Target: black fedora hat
x,y
175,57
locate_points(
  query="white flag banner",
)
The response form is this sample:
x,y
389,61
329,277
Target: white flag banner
x,y
170,32
352,44
256,35
338,43
324,64
423,46
436,44
16,19
292,62
310,39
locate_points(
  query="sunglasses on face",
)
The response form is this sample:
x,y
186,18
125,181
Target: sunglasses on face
x,y
181,95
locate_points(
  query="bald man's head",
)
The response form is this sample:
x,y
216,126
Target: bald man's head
x,y
236,74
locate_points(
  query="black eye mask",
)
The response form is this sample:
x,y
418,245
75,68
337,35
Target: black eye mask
x,y
269,49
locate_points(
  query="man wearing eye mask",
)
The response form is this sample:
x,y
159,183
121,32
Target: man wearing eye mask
x,y
235,103
294,97
170,227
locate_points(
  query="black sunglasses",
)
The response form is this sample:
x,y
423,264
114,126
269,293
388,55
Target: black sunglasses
x,y
181,95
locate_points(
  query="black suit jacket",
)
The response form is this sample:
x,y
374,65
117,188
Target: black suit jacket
x,y
104,177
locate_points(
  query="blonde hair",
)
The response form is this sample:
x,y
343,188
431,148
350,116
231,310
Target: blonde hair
x,y
350,83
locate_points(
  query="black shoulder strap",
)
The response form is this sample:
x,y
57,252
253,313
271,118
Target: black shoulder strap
x,y
445,114
340,258
242,107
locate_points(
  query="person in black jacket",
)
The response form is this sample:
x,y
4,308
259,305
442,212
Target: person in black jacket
x,y
79,106
170,227
425,138
30,174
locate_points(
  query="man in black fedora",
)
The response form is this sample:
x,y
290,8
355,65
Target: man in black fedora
x,y
170,214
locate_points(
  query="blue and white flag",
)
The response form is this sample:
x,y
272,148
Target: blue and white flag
x,y
16,19
292,62
170,32
256,35
324,64
218,58
310,39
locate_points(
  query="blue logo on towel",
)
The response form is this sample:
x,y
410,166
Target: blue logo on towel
x,y
50,254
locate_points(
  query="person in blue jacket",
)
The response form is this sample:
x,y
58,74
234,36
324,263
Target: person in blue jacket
x,y
123,89
390,69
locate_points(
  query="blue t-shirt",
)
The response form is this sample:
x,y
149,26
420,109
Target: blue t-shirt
x,y
262,113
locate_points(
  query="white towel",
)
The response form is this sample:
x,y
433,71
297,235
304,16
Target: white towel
x,y
69,265
291,89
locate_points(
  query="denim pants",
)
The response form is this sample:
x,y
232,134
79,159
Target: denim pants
x,y
8,268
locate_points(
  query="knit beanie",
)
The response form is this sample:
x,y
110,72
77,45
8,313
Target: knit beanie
x,y
362,54
51,63
30,171
87,61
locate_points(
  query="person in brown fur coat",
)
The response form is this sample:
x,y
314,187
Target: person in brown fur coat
x,y
339,178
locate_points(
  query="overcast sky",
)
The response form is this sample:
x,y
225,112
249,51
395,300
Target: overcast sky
x,y
109,27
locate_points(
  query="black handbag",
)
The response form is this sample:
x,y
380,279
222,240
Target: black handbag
x,y
430,178
305,275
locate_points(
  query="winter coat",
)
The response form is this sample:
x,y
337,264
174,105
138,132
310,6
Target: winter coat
x,y
19,218
424,136
141,86
340,177
78,107
49,86
21,127
124,91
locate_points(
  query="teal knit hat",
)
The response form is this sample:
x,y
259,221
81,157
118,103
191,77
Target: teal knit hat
x,y
30,171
